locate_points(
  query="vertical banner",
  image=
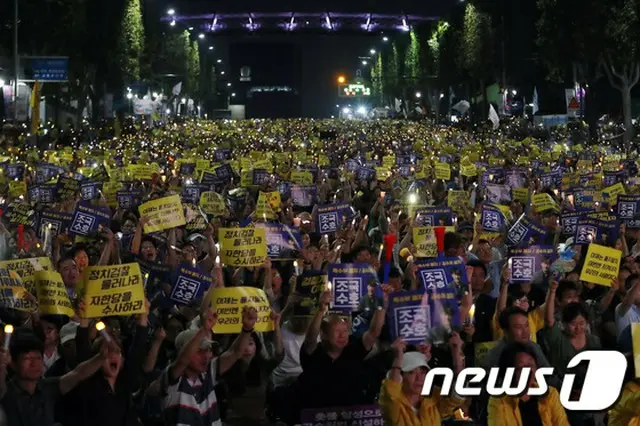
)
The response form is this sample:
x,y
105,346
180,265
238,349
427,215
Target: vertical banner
x,y
349,282
242,246
227,303
163,213
116,290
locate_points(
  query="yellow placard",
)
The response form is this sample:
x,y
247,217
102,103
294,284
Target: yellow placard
x,y
443,171
163,213
26,269
142,171
242,246
52,294
383,173
601,265
301,177
481,350
520,194
212,203
227,303
425,241
611,193
17,188
635,339
469,170
458,199
116,290
543,202
13,295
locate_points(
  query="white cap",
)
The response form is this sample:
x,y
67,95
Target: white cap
x,y
413,360
186,336
68,332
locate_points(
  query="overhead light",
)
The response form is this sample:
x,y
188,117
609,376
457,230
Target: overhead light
x,y
385,39
190,28
364,62
173,23
201,36
372,51
221,72
219,61
228,84
210,47
171,12
418,95
233,95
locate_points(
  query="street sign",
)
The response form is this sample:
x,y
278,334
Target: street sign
x,y
50,69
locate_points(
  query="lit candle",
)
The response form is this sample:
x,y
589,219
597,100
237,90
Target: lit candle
x,y
472,312
103,332
380,252
295,265
217,260
8,330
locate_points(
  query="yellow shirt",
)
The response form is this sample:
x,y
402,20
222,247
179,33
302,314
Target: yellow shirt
x,y
398,411
627,411
504,410
536,323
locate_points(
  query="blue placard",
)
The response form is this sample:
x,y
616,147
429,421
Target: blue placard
x,y
189,285
349,282
87,219
526,264
434,216
442,273
282,241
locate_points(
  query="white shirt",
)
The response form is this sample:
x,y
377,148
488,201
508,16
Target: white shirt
x,y
624,321
290,367
49,361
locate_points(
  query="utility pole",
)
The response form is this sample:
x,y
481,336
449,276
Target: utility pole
x,y
16,59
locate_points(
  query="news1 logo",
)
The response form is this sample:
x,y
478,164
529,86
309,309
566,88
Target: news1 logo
x,y
601,388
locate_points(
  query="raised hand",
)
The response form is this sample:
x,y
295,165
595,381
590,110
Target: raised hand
x,y
399,346
209,319
249,317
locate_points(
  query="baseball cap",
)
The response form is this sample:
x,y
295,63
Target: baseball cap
x,y
413,360
68,332
186,336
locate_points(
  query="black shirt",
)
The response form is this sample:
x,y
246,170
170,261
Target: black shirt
x,y
326,382
529,412
485,307
24,409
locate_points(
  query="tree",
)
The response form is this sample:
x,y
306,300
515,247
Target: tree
x,y
621,60
377,80
131,43
477,48
413,67
177,48
391,70
193,70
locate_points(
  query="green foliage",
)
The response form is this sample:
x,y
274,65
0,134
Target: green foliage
x,y
178,47
476,52
413,67
377,82
391,69
131,42
193,70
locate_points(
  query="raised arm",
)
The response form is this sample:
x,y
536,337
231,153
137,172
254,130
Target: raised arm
x,y
370,337
311,337
629,298
234,353
137,236
550,305
176,370
85,370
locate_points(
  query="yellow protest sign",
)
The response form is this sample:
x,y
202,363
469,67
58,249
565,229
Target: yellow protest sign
x,y
469,171
481,350
635,339
52,294
425,241
26,269
458,199
227,303
383,173
443,171
115,290
601,265
17,188
301,177
143,171
543,202
520,194
212,203
163,213
242,246
13,295
611,193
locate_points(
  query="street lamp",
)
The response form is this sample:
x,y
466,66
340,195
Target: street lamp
x,y
228,84
210,47
372,51
171,12
385,39
418,95
190,28
201,36
364,62
514,92
346,110
341,79
219,61
173,23
221,72
233,95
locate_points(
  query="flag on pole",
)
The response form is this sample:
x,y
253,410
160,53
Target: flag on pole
x,y
35,107
536,107
177,89
493,116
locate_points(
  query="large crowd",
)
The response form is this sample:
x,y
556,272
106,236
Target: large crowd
x,y
302,272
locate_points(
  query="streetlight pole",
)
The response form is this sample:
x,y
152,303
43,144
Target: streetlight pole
x,y
16,60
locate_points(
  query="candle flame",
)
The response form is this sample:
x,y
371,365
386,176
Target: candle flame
x,y
100,326
8,329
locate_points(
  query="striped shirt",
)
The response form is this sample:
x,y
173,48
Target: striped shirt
x,y
191,402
